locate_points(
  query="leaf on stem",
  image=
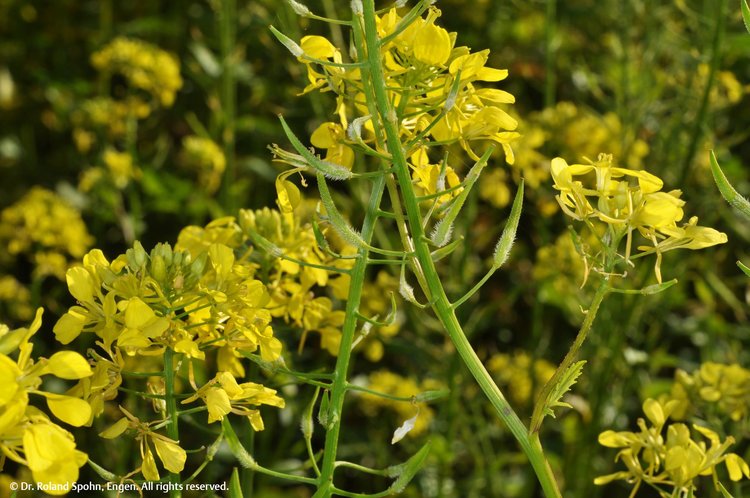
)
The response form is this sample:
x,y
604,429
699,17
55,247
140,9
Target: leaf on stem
x,y
330,170
744,268
344,229
504,245
566,381
407,470
728,192
235,488
746,14
239,451
441,234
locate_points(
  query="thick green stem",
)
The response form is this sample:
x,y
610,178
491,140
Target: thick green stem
x,y
440,304
340,384
173,430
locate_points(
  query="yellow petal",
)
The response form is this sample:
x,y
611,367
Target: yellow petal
x,y
138,314
326,135
148,467
288,195
432,45
218,404
69,326
654,412
222,258
171,455
737,467
73,411
68,365
51,455
9,373
115,430
317,47
80,284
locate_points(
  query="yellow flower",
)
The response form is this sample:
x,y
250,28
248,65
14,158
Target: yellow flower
x,y
602,191
204,156
223,395
675,462
52,456
145,66
330,136
141,325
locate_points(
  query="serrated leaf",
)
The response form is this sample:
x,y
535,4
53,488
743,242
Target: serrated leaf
x,y
728,192
568,378
746,14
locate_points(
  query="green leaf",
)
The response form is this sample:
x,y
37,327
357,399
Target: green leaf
x,y
405,472
344,229
727,190
239,451
502,250
103,473
235,488
746,14
323,417
744,268
428,396
441,234
290,44
568,378
724,492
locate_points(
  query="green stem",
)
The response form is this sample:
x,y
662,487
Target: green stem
x,y
570,357
228,97
440,303
173,430
698,123
340,384
549,54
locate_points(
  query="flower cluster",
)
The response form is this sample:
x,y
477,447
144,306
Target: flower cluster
x,y
144,66
27,435
673,462
105,116
205,157
449,104
715,388
45,228
293,281
204,305
629,201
